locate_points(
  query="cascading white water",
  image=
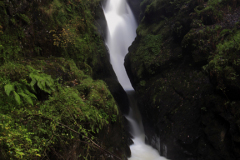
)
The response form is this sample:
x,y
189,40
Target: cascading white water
x,y
122,31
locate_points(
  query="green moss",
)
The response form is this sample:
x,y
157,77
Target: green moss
x,y
149,56
142,83
224,63
142,30
202,42
212,8
226,52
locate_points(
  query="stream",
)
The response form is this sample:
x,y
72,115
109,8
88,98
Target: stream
x,y
121,33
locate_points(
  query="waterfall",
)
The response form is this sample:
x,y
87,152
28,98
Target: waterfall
x,y
122,31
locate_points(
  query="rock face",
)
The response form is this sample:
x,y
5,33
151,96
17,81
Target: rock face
x,y
135,6
184,67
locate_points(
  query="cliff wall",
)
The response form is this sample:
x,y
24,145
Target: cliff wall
x,y
184,66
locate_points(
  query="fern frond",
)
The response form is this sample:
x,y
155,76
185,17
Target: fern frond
x,y
26,97
30,94
8,88
43,81
17,97
41,85
33,82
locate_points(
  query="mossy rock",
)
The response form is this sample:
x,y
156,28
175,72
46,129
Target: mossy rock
x,y
189,77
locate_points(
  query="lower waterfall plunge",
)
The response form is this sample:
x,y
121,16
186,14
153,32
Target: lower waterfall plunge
x,y
122,31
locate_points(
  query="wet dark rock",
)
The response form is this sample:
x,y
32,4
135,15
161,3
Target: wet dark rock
x,y
135,7
186,105
101,22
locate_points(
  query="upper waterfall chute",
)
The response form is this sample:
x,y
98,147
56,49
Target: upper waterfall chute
x,y
122,31
118,6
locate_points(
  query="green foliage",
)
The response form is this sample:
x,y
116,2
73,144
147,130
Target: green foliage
x,y
24,18
17,140
20,89
212,8
9,47
226,53
17,97
224,63
214,2
149,54
30,128
43,81
69,31
152,44
204,41
232,44
9,88
46,104
143,83
77,35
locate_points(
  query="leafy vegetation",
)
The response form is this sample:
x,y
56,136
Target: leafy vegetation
x,y
149,53
67,26
50,105
32,127
224,62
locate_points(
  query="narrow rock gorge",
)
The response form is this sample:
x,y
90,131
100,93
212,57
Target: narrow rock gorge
x,y
60,98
